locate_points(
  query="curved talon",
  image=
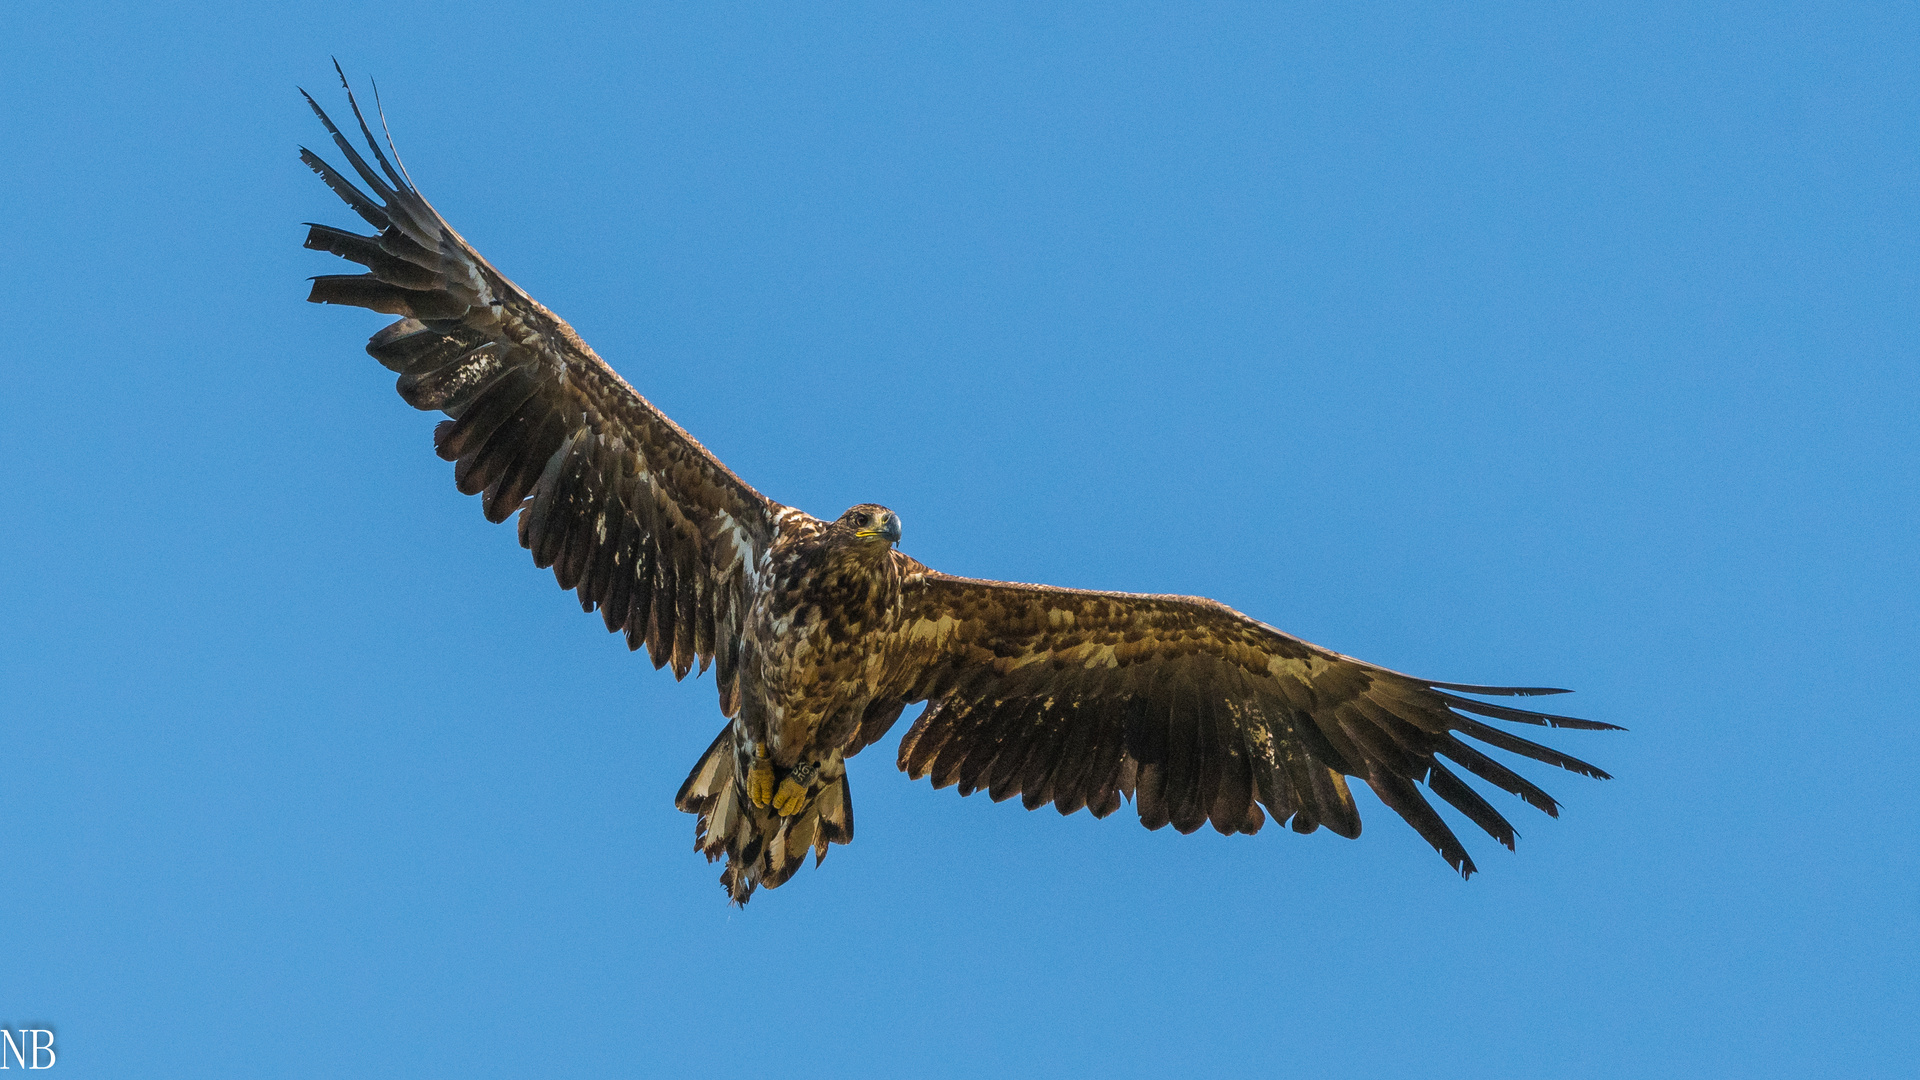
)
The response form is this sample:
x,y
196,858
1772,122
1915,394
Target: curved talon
x,y
791,797
760,778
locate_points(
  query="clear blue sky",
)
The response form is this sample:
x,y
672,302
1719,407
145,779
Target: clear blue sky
x,y
1510,344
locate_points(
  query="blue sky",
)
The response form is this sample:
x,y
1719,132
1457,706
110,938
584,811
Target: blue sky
x,y
1511,344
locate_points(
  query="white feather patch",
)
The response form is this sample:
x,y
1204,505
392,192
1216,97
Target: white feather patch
x,y
725,813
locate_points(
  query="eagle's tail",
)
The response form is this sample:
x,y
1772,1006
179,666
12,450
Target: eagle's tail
x,y
761,847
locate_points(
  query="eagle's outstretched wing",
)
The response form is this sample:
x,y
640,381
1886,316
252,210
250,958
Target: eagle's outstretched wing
x,y
625,506
1195,710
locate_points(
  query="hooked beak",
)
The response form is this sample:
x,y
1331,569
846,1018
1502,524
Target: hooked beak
x,y
887,528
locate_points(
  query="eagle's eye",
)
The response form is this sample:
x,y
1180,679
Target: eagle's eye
x,y
860,519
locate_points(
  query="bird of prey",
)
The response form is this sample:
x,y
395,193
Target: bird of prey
x,y
821,633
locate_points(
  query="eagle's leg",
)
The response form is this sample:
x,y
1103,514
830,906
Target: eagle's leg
x,y
760,777
795,790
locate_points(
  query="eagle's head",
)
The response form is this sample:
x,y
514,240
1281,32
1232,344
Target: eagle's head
x,y
870,524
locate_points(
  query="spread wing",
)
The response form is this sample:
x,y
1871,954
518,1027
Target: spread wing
x,y
1196,711
625,507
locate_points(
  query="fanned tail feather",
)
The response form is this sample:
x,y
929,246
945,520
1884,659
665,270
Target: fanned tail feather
x,y
760,846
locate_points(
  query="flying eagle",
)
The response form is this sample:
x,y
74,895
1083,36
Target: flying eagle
x,y
821,633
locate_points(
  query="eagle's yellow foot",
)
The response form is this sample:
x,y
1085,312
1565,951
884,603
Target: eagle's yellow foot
x,y
760,778
791,797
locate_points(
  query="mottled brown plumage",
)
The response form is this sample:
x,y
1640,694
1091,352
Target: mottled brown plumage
x,y
821,634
